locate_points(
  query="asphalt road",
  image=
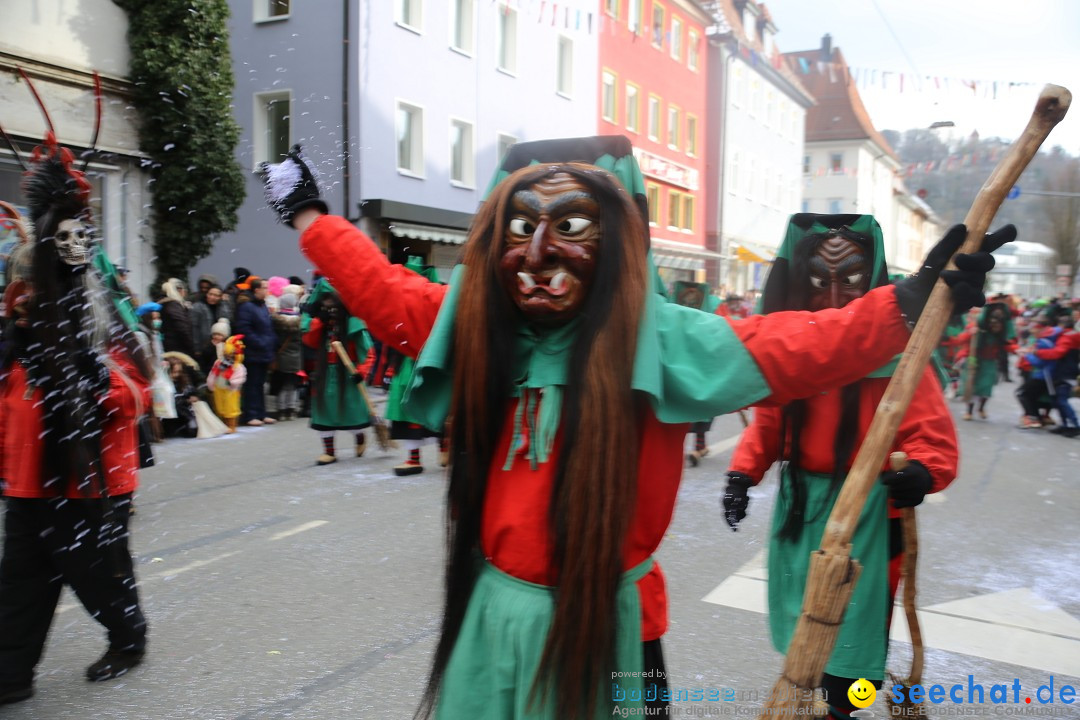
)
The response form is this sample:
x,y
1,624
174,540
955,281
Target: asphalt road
x,y
278,589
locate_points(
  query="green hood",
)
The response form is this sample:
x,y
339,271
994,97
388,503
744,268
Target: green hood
x,y
354,326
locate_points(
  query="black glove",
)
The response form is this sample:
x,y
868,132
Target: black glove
x,y
909,486
966,281
92,371
735,500
358,377
290,186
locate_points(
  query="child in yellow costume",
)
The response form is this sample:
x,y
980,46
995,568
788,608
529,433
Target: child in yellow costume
x,y
226,378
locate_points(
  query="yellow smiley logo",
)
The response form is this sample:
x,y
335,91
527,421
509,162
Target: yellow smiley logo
x,y
862,693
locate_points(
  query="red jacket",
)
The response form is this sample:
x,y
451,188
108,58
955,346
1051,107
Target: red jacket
x,y
21,427
926,433
400,306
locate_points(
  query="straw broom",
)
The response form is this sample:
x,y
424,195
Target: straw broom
x,y
833,573
382,432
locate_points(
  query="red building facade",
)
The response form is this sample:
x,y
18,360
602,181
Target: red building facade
x,y
653,87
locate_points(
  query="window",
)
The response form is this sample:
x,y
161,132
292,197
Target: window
x,y
806,206
564,84
611,7
273,126
674,209
410,139
633,108
752,179
462,159
693,42
506,41
461,26
676,38
608,96
691,135
502,146
673,124
770,109
657,25
408,13
805,164
652,194
688,213
654,118
755,97
635,12
271,10
836,163
834,206
737,87
733,181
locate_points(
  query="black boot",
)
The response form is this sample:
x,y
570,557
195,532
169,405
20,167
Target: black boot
x,y
113,664
15,693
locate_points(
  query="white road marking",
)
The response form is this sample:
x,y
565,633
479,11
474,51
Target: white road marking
x,y
299,529
191,566
1015,626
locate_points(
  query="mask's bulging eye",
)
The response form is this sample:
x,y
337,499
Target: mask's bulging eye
x,y
521,226
574,225
853,279
817,282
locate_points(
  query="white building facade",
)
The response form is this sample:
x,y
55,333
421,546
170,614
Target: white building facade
x,y
60,45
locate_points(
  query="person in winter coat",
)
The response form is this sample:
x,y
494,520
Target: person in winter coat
x,y
206,311
253,323
284,380
176,318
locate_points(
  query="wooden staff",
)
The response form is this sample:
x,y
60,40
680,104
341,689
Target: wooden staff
x,y
382,432
898,461
833,573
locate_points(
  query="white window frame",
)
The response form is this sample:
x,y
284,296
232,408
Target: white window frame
x,y
653,130
261,125
836,163
657,40
503,140
635,10
693,53
609,81
463,17
690,141
674,209
674,128
733,174
675,29
635,91
564,66
416,142
261,10
506,39
415,19
468,153
653,189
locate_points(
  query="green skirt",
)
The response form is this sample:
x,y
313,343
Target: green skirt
x,y
863,640
986,376
497,653
334,413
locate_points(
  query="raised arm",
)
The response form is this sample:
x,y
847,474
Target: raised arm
x,y
398,305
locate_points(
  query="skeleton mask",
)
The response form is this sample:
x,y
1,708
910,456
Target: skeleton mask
x,y
72,242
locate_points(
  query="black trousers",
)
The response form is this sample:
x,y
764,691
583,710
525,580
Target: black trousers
x,y
49,542
654,662
252,401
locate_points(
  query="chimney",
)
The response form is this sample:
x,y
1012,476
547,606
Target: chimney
x,y
826,48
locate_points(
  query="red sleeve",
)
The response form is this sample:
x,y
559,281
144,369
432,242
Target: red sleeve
x,y
759,446
927,433
1065,343
313,336
398,305
801,354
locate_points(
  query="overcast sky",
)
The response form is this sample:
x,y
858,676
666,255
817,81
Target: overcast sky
x,y
1020,41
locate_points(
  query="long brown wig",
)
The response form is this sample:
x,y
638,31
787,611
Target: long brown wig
x,y
593,494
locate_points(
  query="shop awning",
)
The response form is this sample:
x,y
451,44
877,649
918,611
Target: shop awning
x,y
753,253
449,236
678,263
